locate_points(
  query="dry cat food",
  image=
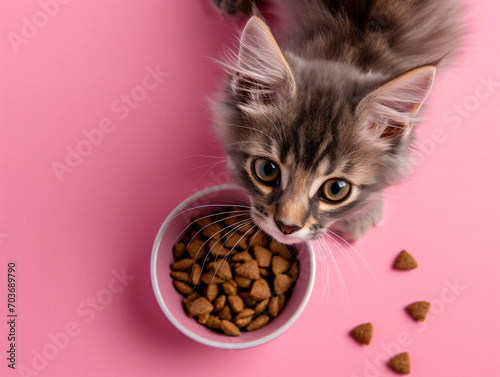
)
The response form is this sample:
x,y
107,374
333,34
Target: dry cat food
x,y
232,276
405,262
400,363
418,310
363,333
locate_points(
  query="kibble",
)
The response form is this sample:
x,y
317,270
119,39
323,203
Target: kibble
x,y
282,283
230,328
233,278
219,303
418,310
363,333
258,322
400,363
405,261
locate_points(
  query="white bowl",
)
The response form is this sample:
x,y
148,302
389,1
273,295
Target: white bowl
x,y
205,203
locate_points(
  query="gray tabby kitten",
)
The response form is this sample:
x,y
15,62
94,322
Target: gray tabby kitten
x,y
315,127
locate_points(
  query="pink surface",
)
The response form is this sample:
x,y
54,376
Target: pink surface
x,y
105,129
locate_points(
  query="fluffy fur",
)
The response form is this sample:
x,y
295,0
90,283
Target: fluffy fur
x,y
338,98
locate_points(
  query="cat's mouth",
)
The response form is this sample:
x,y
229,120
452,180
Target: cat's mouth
x,y
269,227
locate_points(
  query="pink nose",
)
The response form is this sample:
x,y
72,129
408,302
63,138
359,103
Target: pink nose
x,y
287,229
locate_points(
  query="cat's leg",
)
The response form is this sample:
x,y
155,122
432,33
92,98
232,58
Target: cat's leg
x,y
234,6
357,226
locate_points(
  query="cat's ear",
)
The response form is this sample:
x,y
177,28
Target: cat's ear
x,y
389,112
262,76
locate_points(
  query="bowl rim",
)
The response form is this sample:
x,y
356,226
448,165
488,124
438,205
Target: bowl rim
x,y
156,288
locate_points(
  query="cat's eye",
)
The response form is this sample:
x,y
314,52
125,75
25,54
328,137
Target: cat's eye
x,y
335,190
266,171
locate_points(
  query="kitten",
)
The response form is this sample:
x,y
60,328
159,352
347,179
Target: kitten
x,y
315,127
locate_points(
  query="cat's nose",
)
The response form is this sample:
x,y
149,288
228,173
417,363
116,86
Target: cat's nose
x,y
287,229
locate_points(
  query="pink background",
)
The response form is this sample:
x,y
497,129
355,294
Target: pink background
x,y
72,231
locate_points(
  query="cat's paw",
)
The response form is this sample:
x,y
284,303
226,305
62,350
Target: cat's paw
x,y
233,6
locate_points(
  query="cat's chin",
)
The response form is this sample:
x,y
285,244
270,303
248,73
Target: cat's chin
x,y
287,239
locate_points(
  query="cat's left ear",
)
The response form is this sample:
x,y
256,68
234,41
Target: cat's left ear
x,y
262,76
389,112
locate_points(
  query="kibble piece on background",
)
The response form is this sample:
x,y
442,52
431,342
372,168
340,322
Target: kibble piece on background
x,y
363,333
400,363
418,310
405,262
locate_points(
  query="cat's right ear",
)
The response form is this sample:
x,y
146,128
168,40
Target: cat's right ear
x,y
389,112
262,77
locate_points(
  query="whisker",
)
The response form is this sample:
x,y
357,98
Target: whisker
x,y
360,256
325,273
248,142
210,250
212,166
208,206
243,212
395,197
231,250
344,296
348,257
248,128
